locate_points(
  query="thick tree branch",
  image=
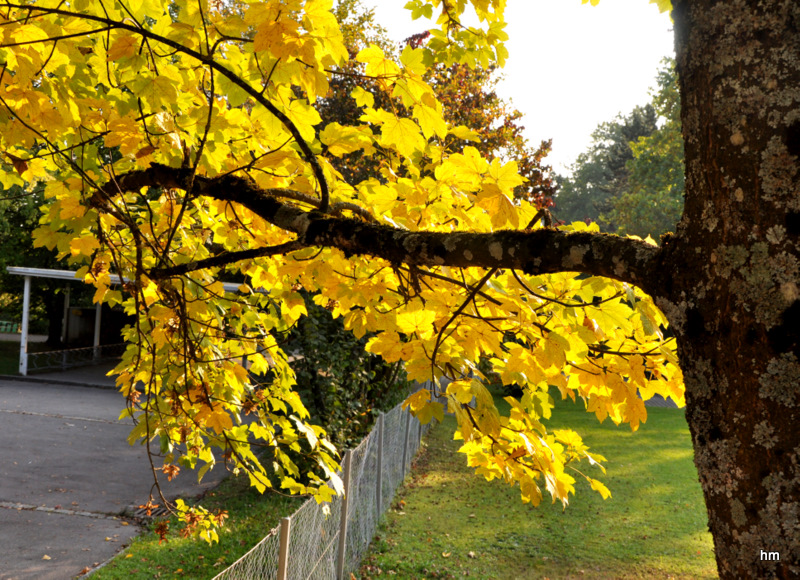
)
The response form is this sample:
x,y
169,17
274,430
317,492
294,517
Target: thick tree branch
x,y
535,252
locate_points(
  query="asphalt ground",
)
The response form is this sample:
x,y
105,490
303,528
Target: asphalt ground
x,y
67,474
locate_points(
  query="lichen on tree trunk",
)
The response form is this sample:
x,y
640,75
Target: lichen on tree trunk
x,y
733,297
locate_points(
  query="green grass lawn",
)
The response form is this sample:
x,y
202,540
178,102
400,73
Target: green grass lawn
x,y
447,523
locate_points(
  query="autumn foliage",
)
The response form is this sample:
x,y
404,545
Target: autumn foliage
x,y
179,143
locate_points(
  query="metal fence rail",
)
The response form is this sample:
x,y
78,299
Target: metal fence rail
x,y
314,545
73,357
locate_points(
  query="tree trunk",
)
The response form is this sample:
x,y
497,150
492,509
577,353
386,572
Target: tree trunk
x,y
732,293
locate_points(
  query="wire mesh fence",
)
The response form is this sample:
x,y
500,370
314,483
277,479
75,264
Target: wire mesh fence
x,y
73,357
322,542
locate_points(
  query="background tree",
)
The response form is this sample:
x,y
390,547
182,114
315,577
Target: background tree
x,y
652,202
468,96
600,175
631,179
19,216
220,171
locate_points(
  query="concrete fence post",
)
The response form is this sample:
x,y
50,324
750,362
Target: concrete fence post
x,y
340,562
405,441
65,321
283,549
379,488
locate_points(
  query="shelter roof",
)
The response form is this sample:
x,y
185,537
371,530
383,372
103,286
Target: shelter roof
x,y
70,275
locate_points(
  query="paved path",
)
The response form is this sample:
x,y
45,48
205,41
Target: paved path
x,y
66,474
88,376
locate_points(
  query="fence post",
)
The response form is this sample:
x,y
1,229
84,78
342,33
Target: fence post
x,y
379,489
405,443
283,549
348,458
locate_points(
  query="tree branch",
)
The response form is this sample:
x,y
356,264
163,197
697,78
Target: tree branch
x,y
223,259
535,252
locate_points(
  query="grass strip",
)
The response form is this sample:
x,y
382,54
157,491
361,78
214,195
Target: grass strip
x,y
447,523
9,355
251,517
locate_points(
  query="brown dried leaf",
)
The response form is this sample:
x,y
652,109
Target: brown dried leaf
x,y
20,165
145,151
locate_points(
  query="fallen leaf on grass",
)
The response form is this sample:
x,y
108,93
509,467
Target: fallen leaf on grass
x,y
471,554
445,554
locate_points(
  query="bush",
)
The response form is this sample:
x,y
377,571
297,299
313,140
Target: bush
x,y
343,386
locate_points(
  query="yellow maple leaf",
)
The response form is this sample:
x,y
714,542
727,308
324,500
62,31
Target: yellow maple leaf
x,y
461,390
500,208
84,245
219,421
377,63
416,321
430,121
123,46
71,207
402,134
363,98
600,488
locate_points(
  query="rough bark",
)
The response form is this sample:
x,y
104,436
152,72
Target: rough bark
x,y
733,298
541,251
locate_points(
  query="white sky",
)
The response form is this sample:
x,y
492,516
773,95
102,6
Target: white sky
x,y
571,66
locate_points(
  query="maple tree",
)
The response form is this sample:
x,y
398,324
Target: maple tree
x,y
176,144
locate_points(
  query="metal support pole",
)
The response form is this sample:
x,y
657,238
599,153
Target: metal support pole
x,y
340,561
23,340
283,549
98,313
405,441
65,322
379,489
